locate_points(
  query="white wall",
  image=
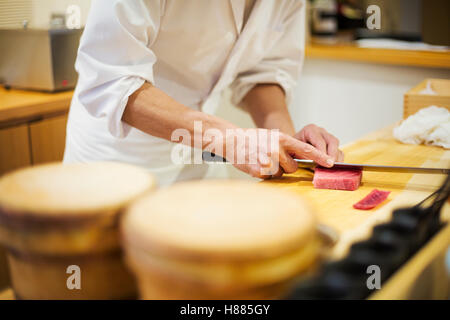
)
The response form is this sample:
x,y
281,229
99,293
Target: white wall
x,y
349,99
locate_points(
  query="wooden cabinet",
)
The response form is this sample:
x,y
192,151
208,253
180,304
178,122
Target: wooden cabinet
x,y
14,154
4,273
27,144
14,148
32,143
47,139
32,131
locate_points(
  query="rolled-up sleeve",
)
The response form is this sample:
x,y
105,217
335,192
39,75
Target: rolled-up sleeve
x,y
114,58
281,64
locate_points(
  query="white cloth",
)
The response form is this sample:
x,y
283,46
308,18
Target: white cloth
x,y
430,126
191,50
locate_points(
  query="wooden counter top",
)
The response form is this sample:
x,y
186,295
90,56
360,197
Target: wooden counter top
x,y
422,276
24,105
348,52
334,208
7,294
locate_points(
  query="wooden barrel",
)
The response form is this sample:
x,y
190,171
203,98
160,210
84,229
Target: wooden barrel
x,y
219,240
59,223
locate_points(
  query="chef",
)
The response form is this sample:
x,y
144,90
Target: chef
x,y
148,67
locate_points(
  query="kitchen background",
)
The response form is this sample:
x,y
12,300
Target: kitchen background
x,y
349,98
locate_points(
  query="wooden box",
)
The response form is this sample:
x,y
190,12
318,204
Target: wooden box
x,y
415,99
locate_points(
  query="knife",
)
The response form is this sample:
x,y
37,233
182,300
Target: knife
x,y
371,167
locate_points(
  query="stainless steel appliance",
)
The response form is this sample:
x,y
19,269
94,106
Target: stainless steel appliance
x,y
39,59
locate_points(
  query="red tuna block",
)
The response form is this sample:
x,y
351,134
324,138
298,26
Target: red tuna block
x,y
337,179
374,198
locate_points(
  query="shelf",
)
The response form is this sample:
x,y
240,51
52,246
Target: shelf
x,y
348,52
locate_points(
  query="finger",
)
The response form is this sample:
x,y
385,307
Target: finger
x,y
332,145
300,135
307,151
279,173
257,171
287,163
270,164
264,160
341,156
317,140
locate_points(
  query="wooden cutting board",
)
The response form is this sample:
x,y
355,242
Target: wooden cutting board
x,y
334,207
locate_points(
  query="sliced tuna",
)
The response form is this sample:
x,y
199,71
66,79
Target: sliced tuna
x,y
374,198
337,179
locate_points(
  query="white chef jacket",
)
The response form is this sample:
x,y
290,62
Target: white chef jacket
x,y
190,49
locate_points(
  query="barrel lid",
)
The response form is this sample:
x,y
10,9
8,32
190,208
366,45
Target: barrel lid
x,y
219,220
78,188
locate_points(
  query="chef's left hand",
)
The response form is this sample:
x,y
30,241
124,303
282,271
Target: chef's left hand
x,y
322,140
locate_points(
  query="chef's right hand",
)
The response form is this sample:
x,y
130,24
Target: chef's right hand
x,y
264,153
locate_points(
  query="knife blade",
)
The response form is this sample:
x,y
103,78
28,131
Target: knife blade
x,y
376,168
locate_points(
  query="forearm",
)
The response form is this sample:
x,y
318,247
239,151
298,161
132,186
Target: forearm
x,y
266,104
152,111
